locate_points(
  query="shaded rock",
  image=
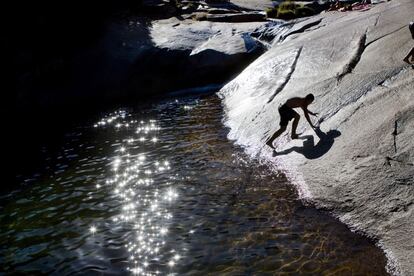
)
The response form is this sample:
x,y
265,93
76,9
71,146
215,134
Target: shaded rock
x,y
159,8
189,54
219,11
278,30
272,31
236,17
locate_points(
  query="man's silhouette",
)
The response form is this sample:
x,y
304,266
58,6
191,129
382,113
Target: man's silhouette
x,y
287,113
312,151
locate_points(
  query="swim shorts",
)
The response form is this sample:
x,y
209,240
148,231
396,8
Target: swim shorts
x,y
286,114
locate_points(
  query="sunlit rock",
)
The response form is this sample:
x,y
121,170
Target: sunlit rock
x,y
360,163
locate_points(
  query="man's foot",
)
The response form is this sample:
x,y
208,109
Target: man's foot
x,y
294,136
269,143
407,60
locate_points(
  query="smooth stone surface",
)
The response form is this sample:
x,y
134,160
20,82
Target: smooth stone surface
x,y
355,166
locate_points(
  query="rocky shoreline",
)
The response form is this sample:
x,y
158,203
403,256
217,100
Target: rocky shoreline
x,y
360,165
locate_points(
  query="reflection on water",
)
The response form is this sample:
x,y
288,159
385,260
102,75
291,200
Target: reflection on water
x,y
144,187
161,191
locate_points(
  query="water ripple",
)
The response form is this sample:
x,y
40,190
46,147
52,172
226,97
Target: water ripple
x,y
160,190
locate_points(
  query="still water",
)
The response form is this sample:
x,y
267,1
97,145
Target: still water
x,y
159,190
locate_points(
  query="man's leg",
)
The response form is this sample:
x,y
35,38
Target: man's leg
x,y
410,55
275,135
295,126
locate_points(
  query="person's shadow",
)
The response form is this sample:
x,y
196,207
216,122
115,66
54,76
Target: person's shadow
x,y
309,149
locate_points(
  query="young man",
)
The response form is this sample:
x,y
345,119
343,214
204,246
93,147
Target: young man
x,y
287,113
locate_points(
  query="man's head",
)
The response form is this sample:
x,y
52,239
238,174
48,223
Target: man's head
x,y
309,98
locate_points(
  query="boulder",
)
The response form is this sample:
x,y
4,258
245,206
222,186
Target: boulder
x,y
235,17
359,163
188,53
258,5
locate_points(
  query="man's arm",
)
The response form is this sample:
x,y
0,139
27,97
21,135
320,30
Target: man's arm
x,y
306,112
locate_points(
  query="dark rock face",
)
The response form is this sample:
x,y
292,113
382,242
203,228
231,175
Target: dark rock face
x,y
165,70
159,8
235,17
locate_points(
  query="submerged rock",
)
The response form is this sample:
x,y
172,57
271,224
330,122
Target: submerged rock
x,y
360,164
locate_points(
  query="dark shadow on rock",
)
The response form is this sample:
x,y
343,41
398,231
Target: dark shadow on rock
x,y
309,149
226,4
179,70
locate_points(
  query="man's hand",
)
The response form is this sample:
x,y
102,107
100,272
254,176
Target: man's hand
x,y
315,126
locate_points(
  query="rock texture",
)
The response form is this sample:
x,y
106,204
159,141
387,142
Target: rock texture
x,y
260,5
187,53
360,164
184,35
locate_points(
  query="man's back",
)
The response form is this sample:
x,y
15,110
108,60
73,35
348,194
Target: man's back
x,y
296,102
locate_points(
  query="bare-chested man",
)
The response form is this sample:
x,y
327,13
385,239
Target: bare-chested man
x,y
287,113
